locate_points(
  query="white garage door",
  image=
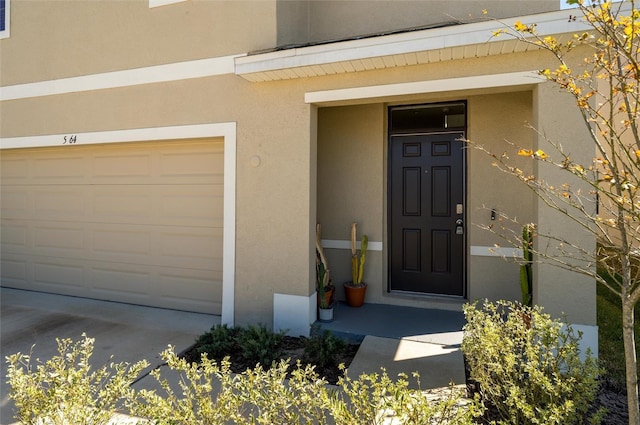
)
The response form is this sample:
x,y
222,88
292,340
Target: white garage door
x,y
133,222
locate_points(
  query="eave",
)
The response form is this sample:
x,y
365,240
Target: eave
x,y
463,41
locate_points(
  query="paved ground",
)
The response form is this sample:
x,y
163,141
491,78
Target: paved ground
x,y
129,333
400,339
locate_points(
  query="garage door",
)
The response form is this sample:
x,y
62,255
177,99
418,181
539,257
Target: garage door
x,y
132,222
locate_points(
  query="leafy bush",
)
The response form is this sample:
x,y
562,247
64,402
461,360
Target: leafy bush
x,y
280,396
260,345
528,365
377,399
323,349
218,342
63,390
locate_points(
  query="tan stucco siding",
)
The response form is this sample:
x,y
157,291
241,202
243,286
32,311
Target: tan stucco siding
x,y
331,20
58,39
351,187
559,290
494,121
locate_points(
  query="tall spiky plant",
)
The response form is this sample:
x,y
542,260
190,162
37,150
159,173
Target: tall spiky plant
x,y
526,268
357,261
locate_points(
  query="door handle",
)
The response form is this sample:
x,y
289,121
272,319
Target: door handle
x,y
459,227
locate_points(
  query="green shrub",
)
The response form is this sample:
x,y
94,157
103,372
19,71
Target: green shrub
x,y
64,389
528,365
323,349
260,345
280,396
218,342
377,399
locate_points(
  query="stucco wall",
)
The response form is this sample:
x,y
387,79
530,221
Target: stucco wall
x,y
276,152
495,120
322,20
351,187
57,39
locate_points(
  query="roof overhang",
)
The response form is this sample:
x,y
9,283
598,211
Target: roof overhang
x,y
411,48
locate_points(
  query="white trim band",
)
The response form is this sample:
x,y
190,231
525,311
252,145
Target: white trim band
x,y
345,244
130,77
493,251
120,136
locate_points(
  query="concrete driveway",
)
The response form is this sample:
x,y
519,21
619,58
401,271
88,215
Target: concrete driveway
x,y
128,332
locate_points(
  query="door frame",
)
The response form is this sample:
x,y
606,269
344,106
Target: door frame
x,y
388,226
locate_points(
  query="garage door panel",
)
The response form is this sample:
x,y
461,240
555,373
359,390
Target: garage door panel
x,y
15,169
56,203
196,288
59,236
122,204
14,203
122,242
197,204
198,164
115,281
139,222
14,271
59,168
14,235
191,248
116,166
55,274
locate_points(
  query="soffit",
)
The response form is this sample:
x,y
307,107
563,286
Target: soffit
x,y
396,50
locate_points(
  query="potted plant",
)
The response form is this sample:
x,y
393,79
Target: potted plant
x,y
355,290
324,284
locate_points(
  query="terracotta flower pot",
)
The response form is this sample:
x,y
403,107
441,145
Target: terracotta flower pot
x,y
328,296
355,294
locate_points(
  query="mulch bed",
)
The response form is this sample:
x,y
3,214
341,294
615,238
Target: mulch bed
x,y
292,348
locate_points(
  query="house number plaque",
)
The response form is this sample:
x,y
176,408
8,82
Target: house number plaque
x,y
70,140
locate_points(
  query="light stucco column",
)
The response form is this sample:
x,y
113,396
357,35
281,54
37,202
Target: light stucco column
x,y
276,192
561,292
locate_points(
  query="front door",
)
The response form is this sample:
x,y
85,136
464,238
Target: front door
x,y
426,223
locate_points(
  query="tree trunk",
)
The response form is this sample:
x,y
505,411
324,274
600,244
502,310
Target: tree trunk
x,y
630,361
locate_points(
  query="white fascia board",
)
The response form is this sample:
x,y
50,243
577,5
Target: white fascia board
x,y
130,77
510,79
398,44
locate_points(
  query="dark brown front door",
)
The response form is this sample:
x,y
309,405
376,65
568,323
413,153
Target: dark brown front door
x,y
427,213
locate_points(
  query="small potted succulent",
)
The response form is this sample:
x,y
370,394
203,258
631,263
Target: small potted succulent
x,y
355,290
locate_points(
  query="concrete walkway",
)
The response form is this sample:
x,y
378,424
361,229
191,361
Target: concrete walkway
x,y
400,339
128,332
403,340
